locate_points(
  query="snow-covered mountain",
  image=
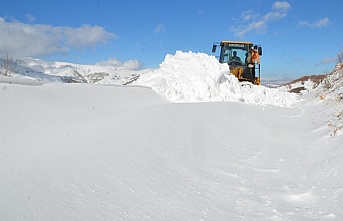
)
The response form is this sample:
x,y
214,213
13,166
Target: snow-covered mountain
x,y
50,71
187,141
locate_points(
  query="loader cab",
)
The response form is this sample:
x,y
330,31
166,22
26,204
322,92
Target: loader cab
x,y
228,50
236,55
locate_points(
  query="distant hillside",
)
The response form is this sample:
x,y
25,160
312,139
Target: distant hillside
x,y
304,83
50,71
315,78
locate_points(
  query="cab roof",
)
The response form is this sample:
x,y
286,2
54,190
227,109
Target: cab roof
x,y
235,42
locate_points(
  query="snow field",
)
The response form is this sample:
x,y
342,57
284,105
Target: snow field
x,y
95,152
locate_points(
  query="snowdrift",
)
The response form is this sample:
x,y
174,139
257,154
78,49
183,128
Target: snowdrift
x,y
326,90
198,77
94,152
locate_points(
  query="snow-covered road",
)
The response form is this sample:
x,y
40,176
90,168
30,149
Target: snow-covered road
x,y
96,152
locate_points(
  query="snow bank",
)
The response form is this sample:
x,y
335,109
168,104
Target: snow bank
x,y
330,90
90,152
198,77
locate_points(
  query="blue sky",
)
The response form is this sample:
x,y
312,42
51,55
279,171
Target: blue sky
x,y
298,37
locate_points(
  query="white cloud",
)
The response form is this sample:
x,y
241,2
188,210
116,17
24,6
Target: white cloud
x,y
279,11
274,16
130,65
159,28
258,27
20,39
30,18
110,62
258,23
86,36
323,22
326,60
281,6
249,15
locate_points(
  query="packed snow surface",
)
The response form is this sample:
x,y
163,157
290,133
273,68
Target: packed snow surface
x,y
112,152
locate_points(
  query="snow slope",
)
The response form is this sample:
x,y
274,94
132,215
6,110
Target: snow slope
x,y
96,152
330,92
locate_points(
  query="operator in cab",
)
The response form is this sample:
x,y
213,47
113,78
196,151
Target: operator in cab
x,y
235,59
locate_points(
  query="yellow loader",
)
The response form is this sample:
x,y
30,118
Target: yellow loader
x,y
236,55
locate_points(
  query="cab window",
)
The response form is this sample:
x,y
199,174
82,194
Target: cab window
x,y
228,51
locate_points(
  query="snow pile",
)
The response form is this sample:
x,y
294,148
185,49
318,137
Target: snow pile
x,y
198,77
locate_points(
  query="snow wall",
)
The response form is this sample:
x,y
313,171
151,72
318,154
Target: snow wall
x,y
198,77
